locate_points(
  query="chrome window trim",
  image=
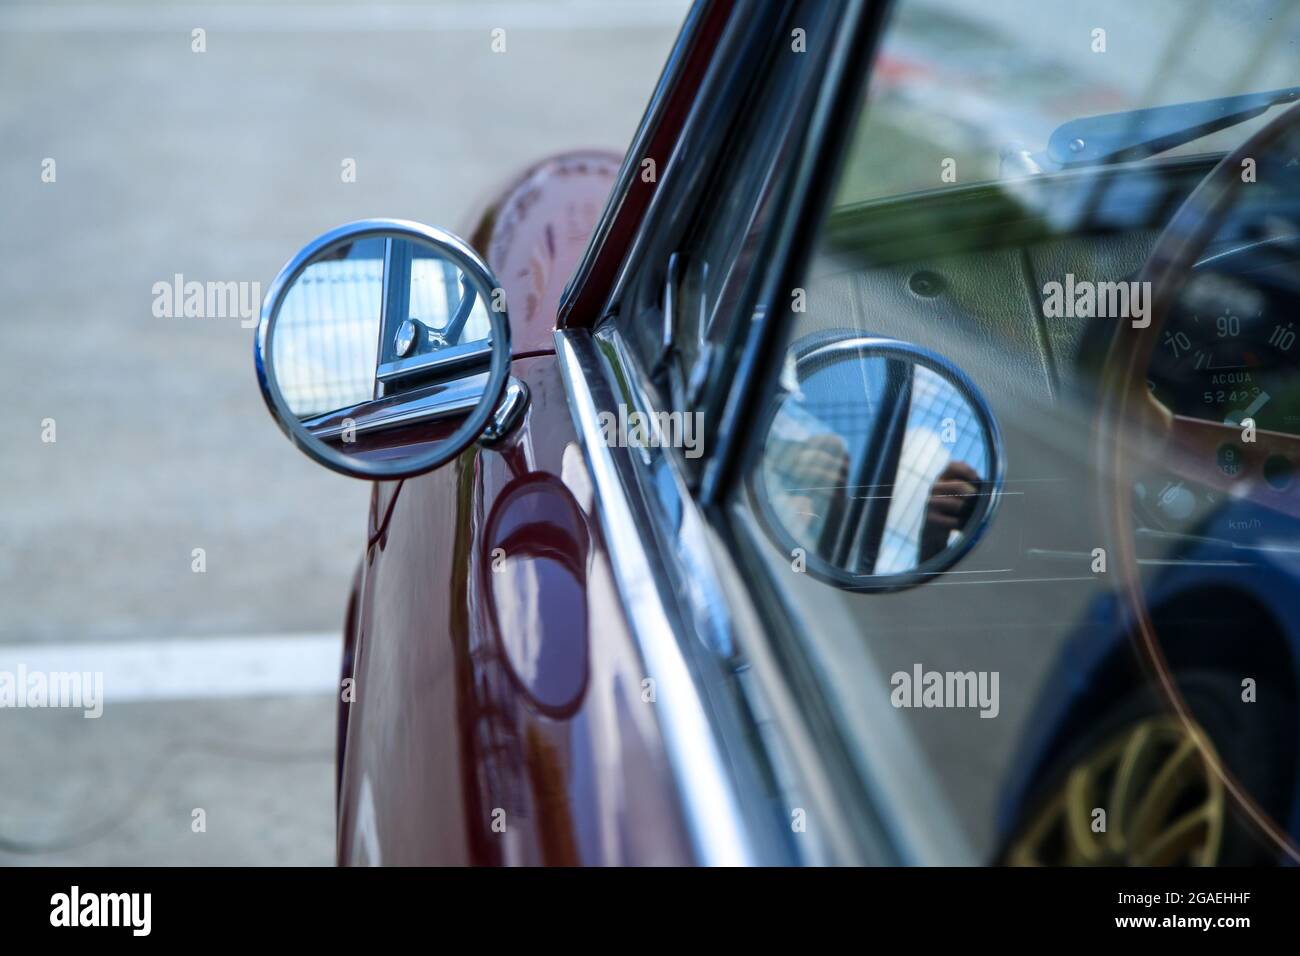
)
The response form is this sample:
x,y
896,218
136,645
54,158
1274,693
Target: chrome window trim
x,y
631,168
746,48
720,834
872,835
806,194
681,601
696,150
709,613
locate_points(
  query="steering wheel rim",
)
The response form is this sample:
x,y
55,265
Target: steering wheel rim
x,y
1126,401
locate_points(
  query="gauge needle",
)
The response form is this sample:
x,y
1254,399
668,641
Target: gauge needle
x,y
1260,401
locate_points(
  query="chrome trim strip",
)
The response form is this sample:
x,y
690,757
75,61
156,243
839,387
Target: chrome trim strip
x,y
804,197
709,610
709,799
444,400
631,167
693,151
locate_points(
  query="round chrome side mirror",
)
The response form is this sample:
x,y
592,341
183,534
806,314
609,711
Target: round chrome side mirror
x,y
384,348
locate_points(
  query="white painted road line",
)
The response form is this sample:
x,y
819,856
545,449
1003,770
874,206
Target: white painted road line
x,y
323,18
267,665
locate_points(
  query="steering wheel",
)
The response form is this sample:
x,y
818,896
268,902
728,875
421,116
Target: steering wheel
x,y
1134,427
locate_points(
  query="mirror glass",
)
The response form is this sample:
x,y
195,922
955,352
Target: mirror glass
x,y
880,462
384,348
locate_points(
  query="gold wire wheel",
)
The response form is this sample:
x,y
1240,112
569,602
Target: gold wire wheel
x,y
1163,800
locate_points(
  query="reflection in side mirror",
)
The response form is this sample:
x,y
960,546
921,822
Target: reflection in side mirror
x,y
881,463
383,349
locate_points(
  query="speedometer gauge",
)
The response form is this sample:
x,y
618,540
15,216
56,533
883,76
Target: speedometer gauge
x,y
1228,352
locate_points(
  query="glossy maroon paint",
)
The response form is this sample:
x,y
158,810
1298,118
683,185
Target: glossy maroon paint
x,y
498,714
534,235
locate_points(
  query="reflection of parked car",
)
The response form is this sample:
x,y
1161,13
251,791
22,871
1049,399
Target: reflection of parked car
x,y
953,578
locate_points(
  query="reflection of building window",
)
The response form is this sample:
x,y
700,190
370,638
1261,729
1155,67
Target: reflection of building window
x,y
327,335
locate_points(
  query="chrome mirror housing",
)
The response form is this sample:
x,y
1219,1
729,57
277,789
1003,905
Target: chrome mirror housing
x,y
384,348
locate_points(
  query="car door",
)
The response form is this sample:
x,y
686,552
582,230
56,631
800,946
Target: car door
x,y
495,715
650,369
499,710
553,658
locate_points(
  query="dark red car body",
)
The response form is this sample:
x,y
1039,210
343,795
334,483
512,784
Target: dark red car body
x,y
489,650
478,698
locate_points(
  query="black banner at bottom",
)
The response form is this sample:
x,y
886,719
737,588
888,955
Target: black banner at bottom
x,y
303,905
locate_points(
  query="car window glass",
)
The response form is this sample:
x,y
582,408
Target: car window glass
x,y
921,499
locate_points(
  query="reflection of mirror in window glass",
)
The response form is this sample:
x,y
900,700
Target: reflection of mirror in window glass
x,y
875,463
328,330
